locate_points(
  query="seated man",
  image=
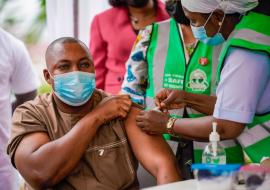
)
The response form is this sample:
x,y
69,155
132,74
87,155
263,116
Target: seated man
x,y
76,137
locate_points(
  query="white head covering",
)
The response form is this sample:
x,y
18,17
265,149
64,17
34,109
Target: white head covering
x,y
227,6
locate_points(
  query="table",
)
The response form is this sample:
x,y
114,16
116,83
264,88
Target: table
x,y
184,185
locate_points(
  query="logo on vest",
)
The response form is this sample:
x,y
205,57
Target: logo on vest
x,y
198,80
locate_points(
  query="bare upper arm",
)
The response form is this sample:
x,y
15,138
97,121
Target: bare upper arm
x,y
150,150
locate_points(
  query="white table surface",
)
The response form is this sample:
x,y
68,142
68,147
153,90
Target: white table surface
x,y
184,185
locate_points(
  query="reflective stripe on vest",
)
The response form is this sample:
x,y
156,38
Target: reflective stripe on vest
x,y
157,58
255,139
247,137
252,36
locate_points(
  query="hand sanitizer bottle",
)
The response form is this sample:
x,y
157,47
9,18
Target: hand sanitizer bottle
x,y
213,152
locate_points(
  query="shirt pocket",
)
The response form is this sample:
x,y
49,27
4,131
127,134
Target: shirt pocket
x,y
112,164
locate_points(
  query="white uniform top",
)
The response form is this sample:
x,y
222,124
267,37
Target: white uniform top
x,y
244,87
17,76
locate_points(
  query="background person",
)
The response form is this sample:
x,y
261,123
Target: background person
x,y
16,76
113,33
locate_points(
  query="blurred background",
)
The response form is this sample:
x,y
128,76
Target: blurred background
x,y
38,22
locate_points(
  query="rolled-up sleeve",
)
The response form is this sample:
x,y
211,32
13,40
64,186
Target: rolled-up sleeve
x,y
244,78
25,120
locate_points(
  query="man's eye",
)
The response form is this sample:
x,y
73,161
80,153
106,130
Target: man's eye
x,y
63,67
84,65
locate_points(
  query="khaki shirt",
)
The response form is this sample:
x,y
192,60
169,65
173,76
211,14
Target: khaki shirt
x,y
108,162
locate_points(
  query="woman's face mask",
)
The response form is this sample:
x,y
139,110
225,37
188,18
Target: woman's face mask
x,y
74,88
200,33
137,3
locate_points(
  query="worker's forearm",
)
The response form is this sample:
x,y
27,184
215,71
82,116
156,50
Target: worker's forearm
x,y
200,128
200,102
187,127
65,152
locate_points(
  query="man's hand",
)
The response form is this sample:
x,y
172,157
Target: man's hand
x,y
167,99
113,107
152,122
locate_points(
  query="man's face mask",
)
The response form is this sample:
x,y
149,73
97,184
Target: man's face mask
x,y
200,33
137,3
74,88
174,9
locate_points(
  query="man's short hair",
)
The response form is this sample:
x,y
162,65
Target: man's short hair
x,y
64,40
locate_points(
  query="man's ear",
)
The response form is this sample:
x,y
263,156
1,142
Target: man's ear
x,y
47,76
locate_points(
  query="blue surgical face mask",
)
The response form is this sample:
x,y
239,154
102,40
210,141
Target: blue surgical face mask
x,y
74,88
200,34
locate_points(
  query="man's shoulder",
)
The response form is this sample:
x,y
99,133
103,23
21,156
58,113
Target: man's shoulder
x,y
40,102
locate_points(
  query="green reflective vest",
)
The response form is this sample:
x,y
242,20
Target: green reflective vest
x,y
167,68
252,33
